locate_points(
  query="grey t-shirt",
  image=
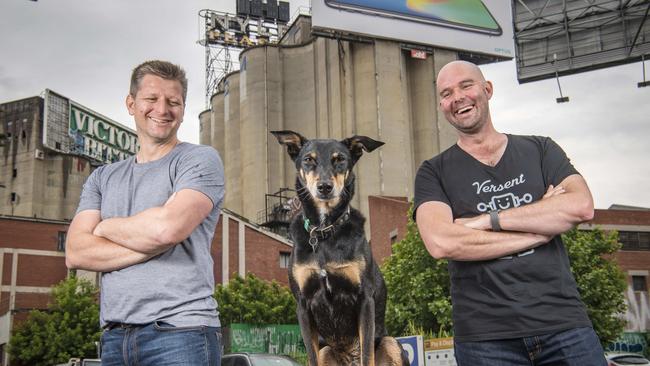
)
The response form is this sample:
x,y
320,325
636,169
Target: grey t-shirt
x,y
177,285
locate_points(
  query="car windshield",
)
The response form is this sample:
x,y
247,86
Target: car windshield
x,y
271,360
630,360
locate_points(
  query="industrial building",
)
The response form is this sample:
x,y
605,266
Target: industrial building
x,y
326,88
35,181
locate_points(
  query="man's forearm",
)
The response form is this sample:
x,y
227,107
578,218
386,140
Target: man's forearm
x,y
93,253
143,232
457,242
551,216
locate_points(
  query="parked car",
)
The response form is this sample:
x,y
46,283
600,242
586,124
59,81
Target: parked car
x,y
82,362
257,359
626,359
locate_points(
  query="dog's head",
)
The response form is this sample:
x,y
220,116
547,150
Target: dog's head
x,y
324,165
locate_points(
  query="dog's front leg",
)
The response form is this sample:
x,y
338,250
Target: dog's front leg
x,y
309,333
367,332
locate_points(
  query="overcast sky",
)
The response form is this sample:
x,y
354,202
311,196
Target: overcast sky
x,y
86,49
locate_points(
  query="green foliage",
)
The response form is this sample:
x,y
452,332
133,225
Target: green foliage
x,y
600,280
69,327
251,300
418,287
418,284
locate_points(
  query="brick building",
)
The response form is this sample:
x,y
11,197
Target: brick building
x,y
245,247
633,226
31,261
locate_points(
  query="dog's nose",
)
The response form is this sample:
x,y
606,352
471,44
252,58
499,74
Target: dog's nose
x,y
324,187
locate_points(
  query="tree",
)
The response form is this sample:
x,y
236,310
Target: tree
x,y
418,287
418,284
68,328
600,281
255,301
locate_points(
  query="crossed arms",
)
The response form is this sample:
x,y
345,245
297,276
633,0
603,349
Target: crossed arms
x,y
524,227
116,243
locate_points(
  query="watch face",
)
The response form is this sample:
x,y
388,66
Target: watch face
x,y
469,15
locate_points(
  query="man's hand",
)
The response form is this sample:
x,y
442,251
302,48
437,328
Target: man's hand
x,y
553,191
480,222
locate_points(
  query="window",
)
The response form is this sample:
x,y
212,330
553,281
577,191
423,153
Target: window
x,y
15,173
60,242
284,259
634,240
393,237
639,283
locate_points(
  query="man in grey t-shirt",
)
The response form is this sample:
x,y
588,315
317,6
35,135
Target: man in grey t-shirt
x,y
146,223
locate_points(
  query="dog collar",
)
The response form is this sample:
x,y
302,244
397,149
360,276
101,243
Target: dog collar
x,y
322,231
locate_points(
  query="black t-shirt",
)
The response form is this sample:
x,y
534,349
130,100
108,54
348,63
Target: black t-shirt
x,y
525,294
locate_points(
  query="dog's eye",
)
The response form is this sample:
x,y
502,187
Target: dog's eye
x,y
338,159
308,160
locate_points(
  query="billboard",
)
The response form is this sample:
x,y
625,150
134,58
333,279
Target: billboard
x,y
477,26
70,128
572,36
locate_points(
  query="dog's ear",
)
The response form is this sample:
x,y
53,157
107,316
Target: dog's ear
x,y
292,140
358,144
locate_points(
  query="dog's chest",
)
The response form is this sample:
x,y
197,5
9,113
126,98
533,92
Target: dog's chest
x,y
329,276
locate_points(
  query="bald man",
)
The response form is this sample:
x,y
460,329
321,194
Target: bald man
x,y
494,205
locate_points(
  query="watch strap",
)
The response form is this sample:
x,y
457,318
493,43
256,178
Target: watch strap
x,y
494,220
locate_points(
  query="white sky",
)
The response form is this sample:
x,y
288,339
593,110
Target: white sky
x,y
86,49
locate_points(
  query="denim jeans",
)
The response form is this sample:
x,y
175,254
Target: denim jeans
x,y
159,344
573,347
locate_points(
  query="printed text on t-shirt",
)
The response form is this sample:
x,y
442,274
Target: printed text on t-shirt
x,y
485,187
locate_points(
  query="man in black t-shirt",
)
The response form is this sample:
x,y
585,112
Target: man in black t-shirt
x,y
495,206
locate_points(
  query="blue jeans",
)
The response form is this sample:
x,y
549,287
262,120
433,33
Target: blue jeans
x,y
573,347
159,344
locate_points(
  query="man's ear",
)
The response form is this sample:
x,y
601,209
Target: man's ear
x,y
358,144
489,89
130,104
292,140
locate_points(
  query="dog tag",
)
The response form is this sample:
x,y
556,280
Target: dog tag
x,y
313,241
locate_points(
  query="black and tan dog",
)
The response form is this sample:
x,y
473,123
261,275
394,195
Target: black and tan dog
x,y
338,287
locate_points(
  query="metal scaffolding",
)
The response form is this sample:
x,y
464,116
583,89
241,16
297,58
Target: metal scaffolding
x,y
569,36
220,58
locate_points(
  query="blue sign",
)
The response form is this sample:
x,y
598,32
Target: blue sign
x,y
414,349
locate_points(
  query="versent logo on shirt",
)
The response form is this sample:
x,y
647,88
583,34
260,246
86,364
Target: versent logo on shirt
x,y
501,201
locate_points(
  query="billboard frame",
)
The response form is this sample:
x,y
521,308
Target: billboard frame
x,y
551,40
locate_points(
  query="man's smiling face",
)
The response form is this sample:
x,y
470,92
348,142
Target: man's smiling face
x,y
157,108
464,95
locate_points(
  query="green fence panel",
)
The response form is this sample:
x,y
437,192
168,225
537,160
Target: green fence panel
x,y
278,339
